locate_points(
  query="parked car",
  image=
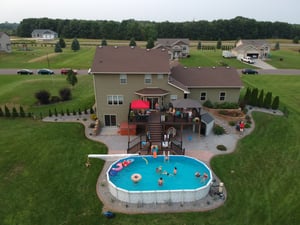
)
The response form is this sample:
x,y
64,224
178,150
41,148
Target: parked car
x,y
25,72
247,59
65,71
45,72
249,71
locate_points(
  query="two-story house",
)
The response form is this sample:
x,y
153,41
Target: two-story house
x,y
177,48
123,73
5,44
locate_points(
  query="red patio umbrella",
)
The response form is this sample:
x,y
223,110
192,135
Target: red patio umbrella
x,y
140,104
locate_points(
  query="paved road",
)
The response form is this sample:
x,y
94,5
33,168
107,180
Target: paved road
x,y
56,71
260,71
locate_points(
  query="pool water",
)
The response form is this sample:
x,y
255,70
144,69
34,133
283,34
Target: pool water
x,y
185,178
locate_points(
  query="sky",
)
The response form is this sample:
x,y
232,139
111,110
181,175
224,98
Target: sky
x,y
151,10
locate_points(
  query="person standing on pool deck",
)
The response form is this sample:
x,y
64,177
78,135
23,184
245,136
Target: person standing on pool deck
x,y
160,181
175,171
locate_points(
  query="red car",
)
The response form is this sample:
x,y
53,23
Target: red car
x,y
65,71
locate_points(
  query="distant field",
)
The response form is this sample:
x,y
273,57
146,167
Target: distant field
x,y
40,55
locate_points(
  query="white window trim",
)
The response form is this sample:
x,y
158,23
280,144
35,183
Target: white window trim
x,y
173,97
116,100
222,100
148,77
123,77
205,97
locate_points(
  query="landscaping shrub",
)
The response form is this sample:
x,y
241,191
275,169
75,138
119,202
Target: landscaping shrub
x,y
65,94
15,112
7,112
1,112
74,112
85,111
248,119
62,112
79,111
55,99
232,123
55,112
218,130
221,147
68,112
208,104
43,97
226,105
247,125
92,110
50,113
22,113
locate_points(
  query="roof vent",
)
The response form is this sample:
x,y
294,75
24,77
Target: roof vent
x,y
199,67
115,46
163,49
147,49
228,67
132,47
214,67
100,46
185,67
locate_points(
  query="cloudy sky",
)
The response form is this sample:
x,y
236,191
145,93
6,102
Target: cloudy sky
x,y
151,10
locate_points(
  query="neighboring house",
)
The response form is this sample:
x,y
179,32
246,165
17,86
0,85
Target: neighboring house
x,y
5,44
44,34
122,74
253,48
177,48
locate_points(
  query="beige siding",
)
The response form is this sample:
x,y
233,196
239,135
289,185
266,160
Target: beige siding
x,y
110,85
231,94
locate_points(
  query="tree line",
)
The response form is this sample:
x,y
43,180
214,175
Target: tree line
x,y
233,29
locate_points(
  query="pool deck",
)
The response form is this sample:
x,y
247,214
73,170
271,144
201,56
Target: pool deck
x,y
200,147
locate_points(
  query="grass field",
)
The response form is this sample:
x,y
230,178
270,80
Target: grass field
x,y
43,179
16,90
42,56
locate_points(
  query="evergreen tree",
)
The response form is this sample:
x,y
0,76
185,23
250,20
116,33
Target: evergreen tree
x,y
277,46
15,112
219,44
55,112
132,42
296,40
71,78
260,101
247,96
103,42
62,43
150,43
1,112
50,113
254,94
199,46
75,45
275,103
268,100
7,112
57,48
22,113
68,112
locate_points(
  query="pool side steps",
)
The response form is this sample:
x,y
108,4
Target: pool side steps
x,y
110,157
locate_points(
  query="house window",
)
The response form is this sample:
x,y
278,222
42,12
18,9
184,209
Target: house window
x,y
222,96
203,96
148,79
115,99
123,79
110,120
173,97
160,76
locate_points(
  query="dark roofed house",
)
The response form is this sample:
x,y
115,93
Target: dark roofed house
x,y
123,74
177,48
44,34
5,44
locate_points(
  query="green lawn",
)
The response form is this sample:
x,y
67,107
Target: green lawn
x,y
18,90
43,179
285,59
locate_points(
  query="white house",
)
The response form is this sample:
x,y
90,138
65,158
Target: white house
x,y
44,34
5,44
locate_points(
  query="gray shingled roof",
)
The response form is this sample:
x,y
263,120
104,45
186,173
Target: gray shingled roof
x,y
172,41
130,60
194,77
